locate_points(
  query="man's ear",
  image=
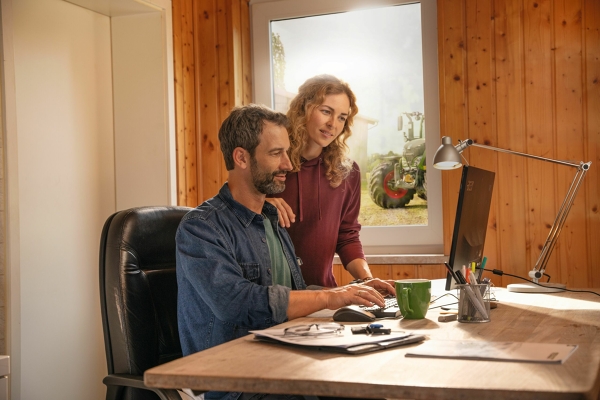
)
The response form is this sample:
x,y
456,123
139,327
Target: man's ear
x,y
241,157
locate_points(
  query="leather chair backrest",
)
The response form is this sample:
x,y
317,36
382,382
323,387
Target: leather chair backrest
x,y
138,288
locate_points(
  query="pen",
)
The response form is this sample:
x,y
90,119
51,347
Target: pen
x,y
483,263
473,278
481,267
476,297
477,301
451,272
460,278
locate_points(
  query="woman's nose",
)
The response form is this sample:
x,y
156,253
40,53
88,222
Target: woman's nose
x,y
330,122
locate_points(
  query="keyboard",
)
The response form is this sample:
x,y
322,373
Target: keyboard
x,y
390,310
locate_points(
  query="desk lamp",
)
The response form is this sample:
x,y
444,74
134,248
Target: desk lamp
x,y
449,157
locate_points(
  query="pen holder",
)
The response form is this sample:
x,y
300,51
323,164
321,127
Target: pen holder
x,y
473,303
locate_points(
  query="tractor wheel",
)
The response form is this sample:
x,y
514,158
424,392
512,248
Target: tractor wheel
x,y
382,194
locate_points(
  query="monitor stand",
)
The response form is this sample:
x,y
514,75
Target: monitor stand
x,y
533,288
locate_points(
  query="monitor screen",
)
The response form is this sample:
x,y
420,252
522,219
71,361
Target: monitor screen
x,y
470,225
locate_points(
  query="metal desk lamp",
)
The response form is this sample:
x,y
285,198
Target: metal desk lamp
x,y
449,157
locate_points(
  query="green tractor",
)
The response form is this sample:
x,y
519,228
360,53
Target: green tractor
x,y
394,178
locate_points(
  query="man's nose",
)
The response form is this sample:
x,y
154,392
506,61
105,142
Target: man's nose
x,y
286,163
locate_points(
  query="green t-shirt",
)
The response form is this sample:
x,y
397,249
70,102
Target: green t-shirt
x,y
280,268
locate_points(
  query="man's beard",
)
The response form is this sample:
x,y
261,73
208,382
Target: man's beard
x,y
264,181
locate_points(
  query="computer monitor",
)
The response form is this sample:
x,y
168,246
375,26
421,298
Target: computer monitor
x,y
470,225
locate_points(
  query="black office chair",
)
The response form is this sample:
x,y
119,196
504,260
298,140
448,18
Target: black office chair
x,y
138,294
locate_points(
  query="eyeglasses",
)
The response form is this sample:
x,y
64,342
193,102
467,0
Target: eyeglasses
x,y
314,330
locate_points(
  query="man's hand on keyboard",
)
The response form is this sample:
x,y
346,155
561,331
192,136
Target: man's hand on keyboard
x,y
383,287
361,295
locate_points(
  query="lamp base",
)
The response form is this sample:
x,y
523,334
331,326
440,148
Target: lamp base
x,y
533,288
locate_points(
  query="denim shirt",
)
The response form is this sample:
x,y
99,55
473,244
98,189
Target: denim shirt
x,y
224,276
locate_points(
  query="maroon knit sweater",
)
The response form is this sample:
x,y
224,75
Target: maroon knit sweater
x,y
326,220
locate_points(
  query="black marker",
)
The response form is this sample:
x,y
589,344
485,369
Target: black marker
x,y
461,279
452,273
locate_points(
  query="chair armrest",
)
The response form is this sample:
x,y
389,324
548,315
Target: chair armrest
x,y
137,382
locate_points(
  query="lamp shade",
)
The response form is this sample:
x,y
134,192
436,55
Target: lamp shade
x,y
446,156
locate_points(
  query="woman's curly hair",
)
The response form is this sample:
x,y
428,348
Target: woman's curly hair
x,y
311,95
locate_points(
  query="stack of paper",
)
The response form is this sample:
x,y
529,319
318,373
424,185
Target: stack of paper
x,y
343,342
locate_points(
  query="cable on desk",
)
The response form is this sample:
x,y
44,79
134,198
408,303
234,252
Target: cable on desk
x,y
437,298
443,305
500,272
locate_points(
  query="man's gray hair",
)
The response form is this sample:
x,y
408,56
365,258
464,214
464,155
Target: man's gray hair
x,y
242,128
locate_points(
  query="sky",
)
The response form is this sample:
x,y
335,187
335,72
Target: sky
x,y
378,52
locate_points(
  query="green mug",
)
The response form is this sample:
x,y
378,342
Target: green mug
x,y
413,297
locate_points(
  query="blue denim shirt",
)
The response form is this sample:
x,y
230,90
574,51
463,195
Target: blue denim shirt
x,y
224,277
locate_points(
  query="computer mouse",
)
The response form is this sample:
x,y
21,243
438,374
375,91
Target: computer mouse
x,y
353,313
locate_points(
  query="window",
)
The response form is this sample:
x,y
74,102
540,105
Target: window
x,y
383,51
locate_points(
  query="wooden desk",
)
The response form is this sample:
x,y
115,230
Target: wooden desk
x,y
246,365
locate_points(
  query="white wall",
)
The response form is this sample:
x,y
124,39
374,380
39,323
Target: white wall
x,y
69,165
61,188
139,131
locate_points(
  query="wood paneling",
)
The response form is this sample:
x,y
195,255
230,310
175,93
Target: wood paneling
x,y
453,97
517,74
539,125
528,76
481,100
570,144
591,102
508,84
185,102
394,272
211,42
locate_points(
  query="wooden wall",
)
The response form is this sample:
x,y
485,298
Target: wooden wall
x,y
523,75
394,272
517,74
211,46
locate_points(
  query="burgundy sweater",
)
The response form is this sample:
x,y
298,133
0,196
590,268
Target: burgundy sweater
x,y
326,220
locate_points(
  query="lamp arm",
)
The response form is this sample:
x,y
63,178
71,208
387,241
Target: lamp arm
x,y
470,142
559,221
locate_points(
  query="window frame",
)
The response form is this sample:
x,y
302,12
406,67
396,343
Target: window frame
x,y
376,240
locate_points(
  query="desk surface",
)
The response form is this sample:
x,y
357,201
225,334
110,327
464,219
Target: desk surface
x,y
246,365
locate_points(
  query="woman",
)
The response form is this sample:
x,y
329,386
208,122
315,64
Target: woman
x,y
321,200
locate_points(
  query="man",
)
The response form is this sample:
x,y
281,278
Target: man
x,y
236,268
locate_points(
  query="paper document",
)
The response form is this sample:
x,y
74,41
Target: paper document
x,y
345,341
502,351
